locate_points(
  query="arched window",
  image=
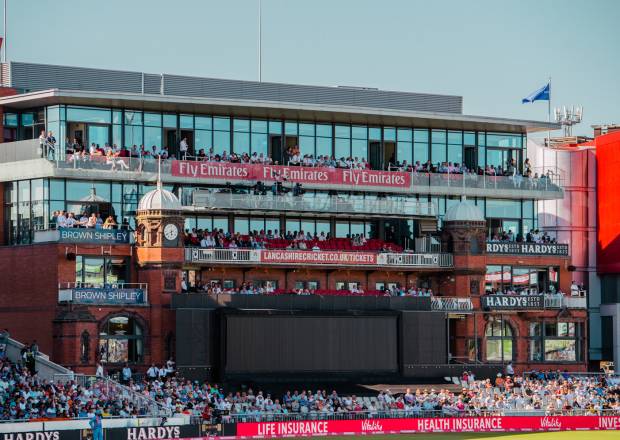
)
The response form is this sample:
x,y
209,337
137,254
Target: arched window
x,y
499,341
121,339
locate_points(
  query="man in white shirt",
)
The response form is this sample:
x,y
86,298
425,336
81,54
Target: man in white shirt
x,y
152,372
183,147
61,220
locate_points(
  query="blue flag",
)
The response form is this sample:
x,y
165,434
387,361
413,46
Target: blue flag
x,y
542,94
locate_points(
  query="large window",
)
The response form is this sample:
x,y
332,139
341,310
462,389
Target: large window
x,y
531,280
499,341
99,271
121,339
552,341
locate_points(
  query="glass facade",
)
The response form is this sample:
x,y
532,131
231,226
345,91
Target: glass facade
x,y
379,145
29,205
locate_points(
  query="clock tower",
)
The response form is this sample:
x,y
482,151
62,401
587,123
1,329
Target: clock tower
x,y
159,228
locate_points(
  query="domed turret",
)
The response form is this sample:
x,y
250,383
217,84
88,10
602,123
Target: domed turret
x,y
464,211
159,199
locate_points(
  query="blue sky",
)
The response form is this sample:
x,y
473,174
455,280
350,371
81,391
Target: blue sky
x,y
492,53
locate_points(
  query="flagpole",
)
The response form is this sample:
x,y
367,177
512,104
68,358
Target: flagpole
x,y
260,42
549,114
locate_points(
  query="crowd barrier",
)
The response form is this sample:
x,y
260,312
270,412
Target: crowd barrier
x,y
303,428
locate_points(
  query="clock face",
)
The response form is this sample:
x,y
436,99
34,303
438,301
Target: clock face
x,y
171,232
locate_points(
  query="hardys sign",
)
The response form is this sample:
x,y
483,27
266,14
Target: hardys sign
x,y
295,174
71,434
511,247
96,236
105,295
512,302
153,432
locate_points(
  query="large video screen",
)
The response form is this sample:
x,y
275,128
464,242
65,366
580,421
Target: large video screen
x,y
284,343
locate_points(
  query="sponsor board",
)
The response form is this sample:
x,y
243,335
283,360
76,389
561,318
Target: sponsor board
x,y
319,257
428,425
98,236
512,302
153,432
296,174
103,295
511,247
69,434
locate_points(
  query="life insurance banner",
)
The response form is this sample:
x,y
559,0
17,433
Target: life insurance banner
x,y
512,302
108,295
511,247
95,236
425,425
317,257
297,174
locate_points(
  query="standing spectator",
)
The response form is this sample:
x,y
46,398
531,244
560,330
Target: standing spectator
x,y
126,374
152,373
183,148
99,372
96,426
50,143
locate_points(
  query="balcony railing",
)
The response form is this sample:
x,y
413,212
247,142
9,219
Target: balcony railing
x,y
532,249
126,294
451,304
332,205
416,182
342,258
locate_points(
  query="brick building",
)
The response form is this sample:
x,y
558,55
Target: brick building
x,y
126,295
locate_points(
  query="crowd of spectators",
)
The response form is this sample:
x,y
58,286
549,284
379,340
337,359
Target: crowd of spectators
x,y
23,395
533,236
76,150
64,219
292,240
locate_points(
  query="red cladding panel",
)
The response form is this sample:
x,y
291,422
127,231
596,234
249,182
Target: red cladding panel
x,y
608,202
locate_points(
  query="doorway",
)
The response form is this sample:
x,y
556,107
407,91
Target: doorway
x,y
471,161
170,140
275,149
189,134
375,157
291,141
389,154
77,131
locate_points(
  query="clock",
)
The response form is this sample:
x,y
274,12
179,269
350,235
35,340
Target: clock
x,y
171,232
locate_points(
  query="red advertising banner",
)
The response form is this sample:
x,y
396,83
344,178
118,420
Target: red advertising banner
x,y
428,425
318,257
296,174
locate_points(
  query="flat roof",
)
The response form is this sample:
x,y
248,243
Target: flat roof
x,y
254,108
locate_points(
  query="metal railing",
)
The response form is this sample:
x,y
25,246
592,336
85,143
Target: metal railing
x,y
451,304
255,256
419,180
405,414
145,405
333,204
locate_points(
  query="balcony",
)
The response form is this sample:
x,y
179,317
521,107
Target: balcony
x,y
527,249
451,304
16,166
125,294
316,258
329,205
531,302
83,236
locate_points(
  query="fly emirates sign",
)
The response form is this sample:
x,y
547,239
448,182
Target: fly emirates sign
x,y
272,173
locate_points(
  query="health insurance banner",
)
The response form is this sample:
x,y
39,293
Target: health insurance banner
x,y
426,425
296,174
